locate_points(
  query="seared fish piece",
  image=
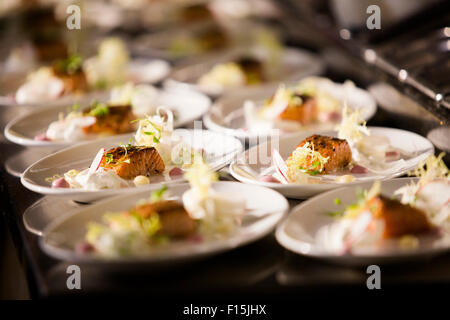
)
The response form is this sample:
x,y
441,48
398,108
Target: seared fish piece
x,y
305,112
252,68
338,151
399,219
174,219
129,162
75,82
115,120
71,73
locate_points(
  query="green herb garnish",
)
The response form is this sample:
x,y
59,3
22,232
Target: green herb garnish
x,y
109,158
158,194
99,109
71,65
136,120
336,213
100,84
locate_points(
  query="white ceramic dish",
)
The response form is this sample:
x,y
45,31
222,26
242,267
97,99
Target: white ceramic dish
x,y
17,163
63,234
220,150
142,70
165,44
293,64
297,232
187,104
227,113
256,161
393,101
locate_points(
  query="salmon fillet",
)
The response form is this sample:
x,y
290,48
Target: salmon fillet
x,y
305,113
75,82
117,120
50,50
174,219
252,68
196,12
212,39
399,219
129,162
338,151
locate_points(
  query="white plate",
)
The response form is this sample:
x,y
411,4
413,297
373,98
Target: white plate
x,y
227,113
297,232
393,101
220,150
188,105
148,70
294,65
260,156
160,44
142,70
63,234
18,162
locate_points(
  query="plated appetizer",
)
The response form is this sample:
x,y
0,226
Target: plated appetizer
x,y
313,102
311,105
351,155
423,209
117,116
103,117
180,222
73,77
156,151
379,224
203,214
248,68
155,155
177,43
64,77
301,165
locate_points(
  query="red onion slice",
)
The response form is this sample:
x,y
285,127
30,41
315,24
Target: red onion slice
x,y
97,160
60,183
280,165
392,155
359,169
270,179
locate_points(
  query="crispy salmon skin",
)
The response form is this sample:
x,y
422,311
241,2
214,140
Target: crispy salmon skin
x,y
129,162
337,150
